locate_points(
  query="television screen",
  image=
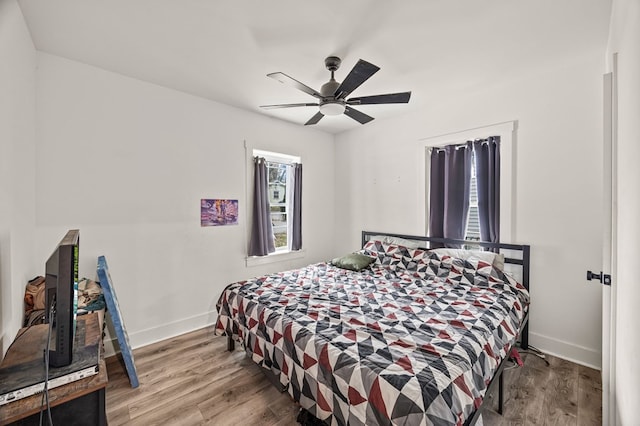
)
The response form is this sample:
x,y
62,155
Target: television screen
x,y
62,298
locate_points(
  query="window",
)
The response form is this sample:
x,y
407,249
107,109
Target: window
x,y
472,232
280,181
507,132
464,190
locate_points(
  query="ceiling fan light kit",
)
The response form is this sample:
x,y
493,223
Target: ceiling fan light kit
x,y
332,98
332,108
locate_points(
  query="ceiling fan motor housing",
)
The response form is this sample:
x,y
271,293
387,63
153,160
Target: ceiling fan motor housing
x,y
328,89
329,105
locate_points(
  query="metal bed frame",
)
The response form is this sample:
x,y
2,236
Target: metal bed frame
x,y
524,262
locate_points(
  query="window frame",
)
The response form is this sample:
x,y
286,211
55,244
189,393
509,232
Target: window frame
x,y
507,132
283,253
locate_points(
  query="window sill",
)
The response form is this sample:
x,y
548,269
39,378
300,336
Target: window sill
x,y
275,257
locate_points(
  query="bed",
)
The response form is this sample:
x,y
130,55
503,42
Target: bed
x,y
415,337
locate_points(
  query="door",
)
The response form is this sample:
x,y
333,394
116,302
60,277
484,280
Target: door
x,y
609,254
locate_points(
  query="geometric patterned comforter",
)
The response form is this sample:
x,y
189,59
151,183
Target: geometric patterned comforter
x,y
415,339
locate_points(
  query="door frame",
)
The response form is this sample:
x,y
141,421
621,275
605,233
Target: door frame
x,y
609,246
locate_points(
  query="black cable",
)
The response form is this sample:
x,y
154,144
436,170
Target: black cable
x,y
536,353
536,350
532,350
45,393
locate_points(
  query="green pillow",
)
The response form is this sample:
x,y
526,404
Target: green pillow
x,y
353,261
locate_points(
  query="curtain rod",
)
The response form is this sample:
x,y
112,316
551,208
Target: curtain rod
x,y
462,145
276,162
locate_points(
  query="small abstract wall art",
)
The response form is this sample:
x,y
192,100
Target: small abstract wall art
x,y
216,212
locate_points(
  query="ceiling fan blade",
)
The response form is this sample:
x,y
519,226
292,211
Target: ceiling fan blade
x,y
314,119
358,75
285,79
390,98
286,106
360,117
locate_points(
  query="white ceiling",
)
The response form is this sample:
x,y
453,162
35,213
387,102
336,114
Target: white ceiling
x,y
222,50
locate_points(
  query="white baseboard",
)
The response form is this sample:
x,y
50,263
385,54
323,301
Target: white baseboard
x,y
565,350
155,334
568,351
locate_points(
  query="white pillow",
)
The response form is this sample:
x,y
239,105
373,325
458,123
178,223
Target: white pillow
x,y
387,239
496,259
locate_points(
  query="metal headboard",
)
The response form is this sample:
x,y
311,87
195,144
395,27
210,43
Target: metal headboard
x,y
522,248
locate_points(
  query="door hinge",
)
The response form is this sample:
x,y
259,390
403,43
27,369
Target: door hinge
x,y
601,277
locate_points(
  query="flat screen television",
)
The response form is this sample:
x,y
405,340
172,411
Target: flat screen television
x,y
62,293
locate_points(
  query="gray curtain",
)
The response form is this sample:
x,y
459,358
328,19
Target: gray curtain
x,y
449,185
296,214
487,154
261,243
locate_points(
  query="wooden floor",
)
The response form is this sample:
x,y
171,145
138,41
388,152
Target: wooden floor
x,y
193,380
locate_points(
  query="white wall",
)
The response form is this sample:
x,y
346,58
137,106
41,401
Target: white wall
x,y
17,168
127,163
625,40
558,187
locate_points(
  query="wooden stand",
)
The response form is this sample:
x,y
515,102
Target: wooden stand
x,y
80,402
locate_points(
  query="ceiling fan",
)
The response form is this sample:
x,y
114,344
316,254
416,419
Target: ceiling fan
x,y
332,98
